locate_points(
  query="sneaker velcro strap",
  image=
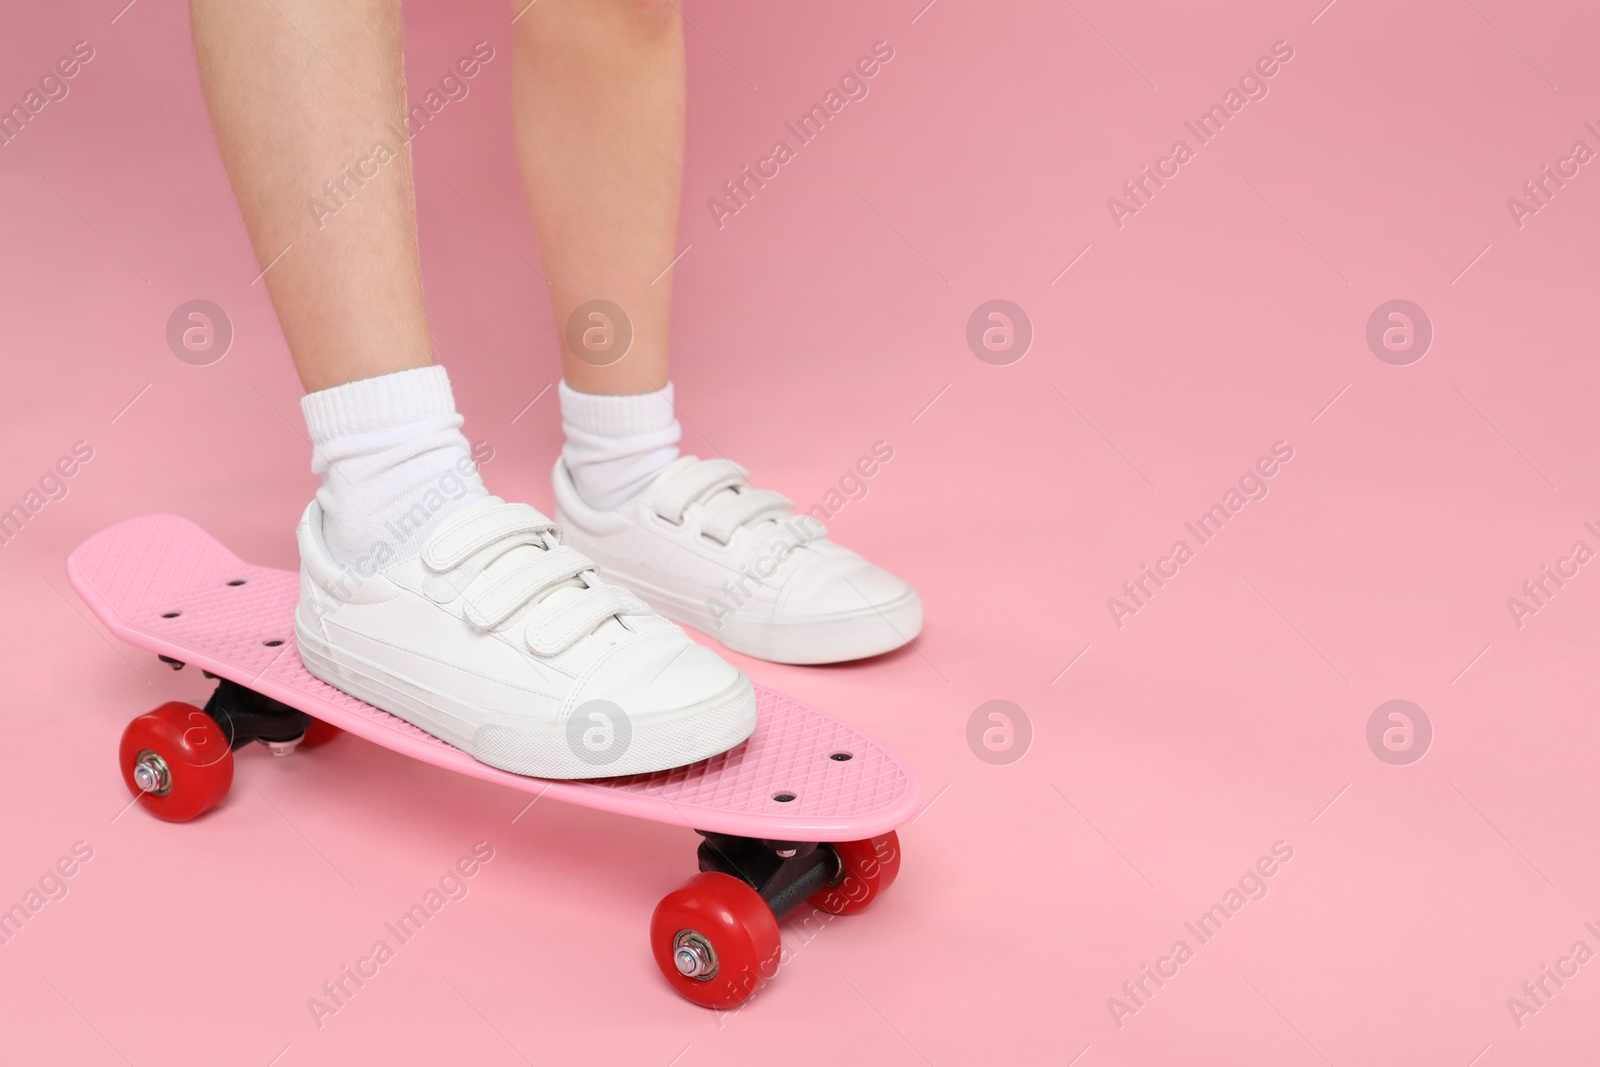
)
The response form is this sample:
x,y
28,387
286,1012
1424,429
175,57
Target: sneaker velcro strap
x,y
696,483
444,586
490,602
458,537
726,516
580,615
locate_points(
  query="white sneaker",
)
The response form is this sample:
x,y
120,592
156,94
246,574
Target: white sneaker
x,y
504,642
706,549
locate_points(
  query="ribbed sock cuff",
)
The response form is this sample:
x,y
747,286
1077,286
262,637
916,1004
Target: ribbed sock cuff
x,y
617,416
380,403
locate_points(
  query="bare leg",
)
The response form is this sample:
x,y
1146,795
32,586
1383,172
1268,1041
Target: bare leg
x,y
598,102
299,91
349,299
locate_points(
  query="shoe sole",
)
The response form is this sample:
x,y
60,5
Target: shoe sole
x,y
660,742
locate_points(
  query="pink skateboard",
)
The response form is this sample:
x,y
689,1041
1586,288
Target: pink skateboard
x,y
803,813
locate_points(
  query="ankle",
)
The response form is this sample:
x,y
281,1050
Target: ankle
x,y
617,445
393,463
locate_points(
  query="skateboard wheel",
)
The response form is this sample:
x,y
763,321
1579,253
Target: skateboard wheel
x,y
319,733
177,761
715,940
868,868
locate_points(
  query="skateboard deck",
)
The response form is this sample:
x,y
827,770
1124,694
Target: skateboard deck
x,y
163,584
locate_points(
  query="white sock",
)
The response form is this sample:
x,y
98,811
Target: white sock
x,y
393,464
616,445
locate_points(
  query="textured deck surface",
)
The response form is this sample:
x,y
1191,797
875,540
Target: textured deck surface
x,y
162,583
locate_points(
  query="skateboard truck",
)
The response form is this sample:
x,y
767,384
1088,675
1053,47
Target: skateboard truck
x,y
716,938
246,716
784,873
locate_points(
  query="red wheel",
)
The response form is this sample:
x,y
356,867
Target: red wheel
x,y
177,761
319,733
869,867
715,939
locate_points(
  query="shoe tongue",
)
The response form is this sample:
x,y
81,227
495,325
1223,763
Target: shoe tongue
x,y
468,512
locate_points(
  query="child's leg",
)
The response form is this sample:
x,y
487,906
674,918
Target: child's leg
x,y
456,611
300,94
597,104
599,99
304,99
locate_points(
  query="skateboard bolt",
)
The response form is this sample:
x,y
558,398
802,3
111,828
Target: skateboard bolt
x,y
150,774
693,957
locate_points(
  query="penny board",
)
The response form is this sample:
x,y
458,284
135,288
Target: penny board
x,y
163,584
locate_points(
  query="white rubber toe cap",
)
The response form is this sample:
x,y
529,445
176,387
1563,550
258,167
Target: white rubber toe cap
x,y
657,674
836,584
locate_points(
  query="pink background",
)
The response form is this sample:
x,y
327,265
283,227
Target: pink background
x,y
1229,714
